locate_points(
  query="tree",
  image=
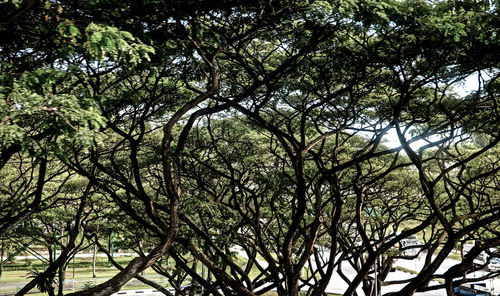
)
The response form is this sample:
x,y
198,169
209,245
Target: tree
x,y
384,76
270,118
171,99
42,104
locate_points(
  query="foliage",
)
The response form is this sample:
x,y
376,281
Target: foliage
x,y
205,132
46,285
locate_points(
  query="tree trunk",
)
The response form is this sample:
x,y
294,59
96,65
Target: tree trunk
x,y
1,258
62,276
292,284
449,287
193,281
93,260
51,291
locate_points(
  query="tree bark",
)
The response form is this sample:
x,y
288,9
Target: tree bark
x,y
62,277
1,258
93,260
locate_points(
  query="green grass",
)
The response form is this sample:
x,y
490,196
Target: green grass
x,y
276,294
403,269
415,272
101,262
17,274
104,271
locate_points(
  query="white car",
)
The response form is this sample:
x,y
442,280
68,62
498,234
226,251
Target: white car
x,y
411,245
494,264
144,292
481,259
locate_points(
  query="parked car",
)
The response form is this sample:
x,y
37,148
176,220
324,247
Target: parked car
x,y
494,264
481,259
198,289
188,288
411,245
466,291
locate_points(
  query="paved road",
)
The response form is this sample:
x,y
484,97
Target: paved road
x,y
492,285
338,285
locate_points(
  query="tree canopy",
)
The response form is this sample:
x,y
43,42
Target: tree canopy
x,y
278,129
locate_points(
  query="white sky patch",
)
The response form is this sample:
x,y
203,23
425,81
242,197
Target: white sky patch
x,y
468,85
392,140
463,88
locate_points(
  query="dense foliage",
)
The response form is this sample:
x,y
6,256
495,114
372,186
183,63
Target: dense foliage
x,y
268,131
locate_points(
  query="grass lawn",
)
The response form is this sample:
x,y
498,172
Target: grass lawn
x,y
15,275
17,272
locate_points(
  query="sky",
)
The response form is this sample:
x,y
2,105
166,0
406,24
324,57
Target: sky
x,y
467,86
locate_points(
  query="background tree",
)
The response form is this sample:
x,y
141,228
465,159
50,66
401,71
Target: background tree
x,y
262,127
